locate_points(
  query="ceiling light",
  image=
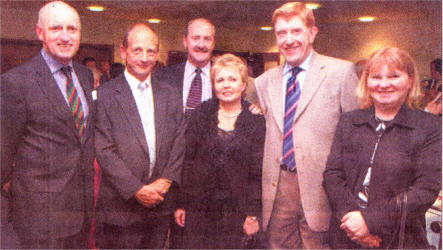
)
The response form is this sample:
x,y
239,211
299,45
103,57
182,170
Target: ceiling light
x,y
366,18
95,8
313,6
154,20
266,28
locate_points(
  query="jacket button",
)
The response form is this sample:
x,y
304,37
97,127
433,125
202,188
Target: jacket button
x,y
277,160
274,184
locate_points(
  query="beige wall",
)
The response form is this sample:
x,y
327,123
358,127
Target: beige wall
x,y
354,41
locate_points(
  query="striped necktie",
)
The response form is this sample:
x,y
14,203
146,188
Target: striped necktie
x,y
74,101
291,101
195,93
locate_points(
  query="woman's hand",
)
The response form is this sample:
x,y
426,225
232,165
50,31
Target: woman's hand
x,y
180,216
354,225
251,226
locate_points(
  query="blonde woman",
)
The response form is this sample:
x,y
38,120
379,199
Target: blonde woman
x,y
384,169
221,191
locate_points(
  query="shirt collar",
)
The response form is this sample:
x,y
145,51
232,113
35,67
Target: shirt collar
x,y
134,82
304,65
53,64
190,68
403,117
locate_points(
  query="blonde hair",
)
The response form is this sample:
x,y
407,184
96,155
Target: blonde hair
x,y
230,61
395,58
293,9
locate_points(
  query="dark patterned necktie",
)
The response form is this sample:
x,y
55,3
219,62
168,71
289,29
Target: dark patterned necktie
x,y
195,93
292,95
74,101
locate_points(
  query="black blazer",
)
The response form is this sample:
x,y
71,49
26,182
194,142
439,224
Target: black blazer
x,y
52,179
122,151
172,74
408,159
245,159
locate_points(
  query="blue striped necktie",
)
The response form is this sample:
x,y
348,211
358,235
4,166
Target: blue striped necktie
x,y
292,95
74,101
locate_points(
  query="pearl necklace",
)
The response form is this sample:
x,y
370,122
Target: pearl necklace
x,y
229,116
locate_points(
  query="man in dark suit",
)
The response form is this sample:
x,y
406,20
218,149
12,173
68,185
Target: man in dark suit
x,y
47,137
199,42
140,148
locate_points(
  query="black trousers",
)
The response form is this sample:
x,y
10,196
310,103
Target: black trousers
x,y
151,235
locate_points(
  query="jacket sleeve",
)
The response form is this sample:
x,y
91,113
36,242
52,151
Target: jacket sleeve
x,y
254,204
384,217
13,121
173,169
334,177
191,138
108,155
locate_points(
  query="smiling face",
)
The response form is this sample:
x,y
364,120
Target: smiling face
x,y
228,85
199,42
294,39
59,30
141,52
388,87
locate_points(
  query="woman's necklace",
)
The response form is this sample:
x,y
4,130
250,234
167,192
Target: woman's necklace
x,y
229,116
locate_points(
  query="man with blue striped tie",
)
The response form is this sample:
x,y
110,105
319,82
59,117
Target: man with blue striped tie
x,y
302,100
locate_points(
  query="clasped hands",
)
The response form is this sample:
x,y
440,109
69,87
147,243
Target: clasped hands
x,y
355,227
151,195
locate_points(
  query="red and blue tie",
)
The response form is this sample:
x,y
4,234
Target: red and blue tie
x,y
74,101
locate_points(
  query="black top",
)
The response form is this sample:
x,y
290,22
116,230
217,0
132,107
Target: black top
x,y
408,160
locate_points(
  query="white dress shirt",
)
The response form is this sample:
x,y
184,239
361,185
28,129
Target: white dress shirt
x,y
189,77
142,92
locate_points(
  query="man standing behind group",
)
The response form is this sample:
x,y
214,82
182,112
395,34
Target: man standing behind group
x,y
140,148
302,101
191,78
47,136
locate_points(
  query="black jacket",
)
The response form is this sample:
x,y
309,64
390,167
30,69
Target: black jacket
x,y
245,158
408,160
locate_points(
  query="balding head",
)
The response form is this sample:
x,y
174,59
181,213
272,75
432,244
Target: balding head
x,y
58,28
139,49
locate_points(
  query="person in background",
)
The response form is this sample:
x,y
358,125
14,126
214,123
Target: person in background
x,y
89,62
384,168
301,100
47,150
105,67
116,69
192,78
140,148
432,89
221,190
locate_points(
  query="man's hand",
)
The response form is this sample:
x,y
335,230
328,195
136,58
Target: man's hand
x,y
255,109
354,225
148,196
180,216
251,226
161,185
369,241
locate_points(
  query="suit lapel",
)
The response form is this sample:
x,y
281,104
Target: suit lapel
x,y
127,102
314,77
180,78
160,111
47,84
275,91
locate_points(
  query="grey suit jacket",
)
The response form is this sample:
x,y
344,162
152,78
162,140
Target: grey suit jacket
x,y
173,74
49,166
122,151
329,89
